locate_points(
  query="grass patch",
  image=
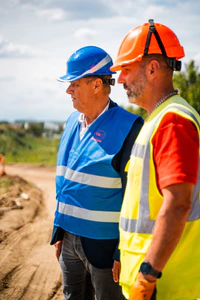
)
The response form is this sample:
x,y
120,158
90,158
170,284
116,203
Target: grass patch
x,y
5,183
23,148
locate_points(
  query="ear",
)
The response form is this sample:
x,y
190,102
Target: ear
x,y
97,85
153,68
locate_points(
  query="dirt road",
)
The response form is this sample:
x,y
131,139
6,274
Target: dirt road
x,y
28,265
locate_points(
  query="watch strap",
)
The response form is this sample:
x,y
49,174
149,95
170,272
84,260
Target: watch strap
x,y
155,273
146,269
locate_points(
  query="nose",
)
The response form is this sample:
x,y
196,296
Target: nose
x,y
121,78
69,90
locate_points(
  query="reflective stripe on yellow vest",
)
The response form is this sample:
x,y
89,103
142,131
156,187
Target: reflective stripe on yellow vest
x,y
142,202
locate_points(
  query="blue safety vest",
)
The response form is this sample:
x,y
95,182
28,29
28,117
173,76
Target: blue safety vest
x,y
88,188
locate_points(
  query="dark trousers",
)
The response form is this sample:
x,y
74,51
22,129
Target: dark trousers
x,y
81,280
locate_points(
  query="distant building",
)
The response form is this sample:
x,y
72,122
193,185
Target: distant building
x,y
16,125
26,125
31,124
52,126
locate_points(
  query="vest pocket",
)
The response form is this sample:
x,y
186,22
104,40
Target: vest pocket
x,y
133,249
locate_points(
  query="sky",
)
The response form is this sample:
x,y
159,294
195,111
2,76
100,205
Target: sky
x,y
38,36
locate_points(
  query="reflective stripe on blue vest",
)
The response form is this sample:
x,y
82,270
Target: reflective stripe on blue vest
x,y
90,215
143,224
89,179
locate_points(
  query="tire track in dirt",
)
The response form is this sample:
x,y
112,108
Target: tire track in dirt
x,y
28,267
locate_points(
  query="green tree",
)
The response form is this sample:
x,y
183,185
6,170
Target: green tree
x,y
36,129
188,83
136,110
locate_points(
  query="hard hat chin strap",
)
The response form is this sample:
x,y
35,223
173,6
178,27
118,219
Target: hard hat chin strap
x,y
110,81
172,62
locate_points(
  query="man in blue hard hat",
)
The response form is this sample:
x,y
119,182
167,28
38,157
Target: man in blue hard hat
x,y
90,179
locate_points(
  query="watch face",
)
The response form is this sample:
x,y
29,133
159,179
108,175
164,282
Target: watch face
x,y
145,268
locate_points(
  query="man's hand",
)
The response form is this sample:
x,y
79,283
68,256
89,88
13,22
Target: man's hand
x,y
142,289
58,247
116,270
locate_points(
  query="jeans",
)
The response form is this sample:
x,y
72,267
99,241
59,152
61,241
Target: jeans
x,y
81,280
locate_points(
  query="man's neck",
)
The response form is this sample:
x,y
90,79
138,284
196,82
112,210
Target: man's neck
x,y
157,97
90,118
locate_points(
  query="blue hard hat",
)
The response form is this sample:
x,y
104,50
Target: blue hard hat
x,y
87,61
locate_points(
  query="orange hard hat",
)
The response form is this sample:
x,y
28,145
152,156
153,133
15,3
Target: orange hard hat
x,y
149,38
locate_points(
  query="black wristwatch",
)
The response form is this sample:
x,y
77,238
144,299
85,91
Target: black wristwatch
x,y
146,268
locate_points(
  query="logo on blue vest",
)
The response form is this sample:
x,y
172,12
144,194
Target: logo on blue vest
x,y
99,136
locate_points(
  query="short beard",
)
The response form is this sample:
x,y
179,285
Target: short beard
x,y
137,87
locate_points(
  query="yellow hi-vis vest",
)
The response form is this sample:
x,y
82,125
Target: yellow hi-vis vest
x,y
142,202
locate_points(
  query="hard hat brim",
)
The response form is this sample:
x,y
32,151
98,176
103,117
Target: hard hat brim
x,y
66,78
71,78
117,66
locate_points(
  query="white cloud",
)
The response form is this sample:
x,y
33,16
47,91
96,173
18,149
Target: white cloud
x,y
61,27
197,58
7,78
9,49
84,33
75,9
54,14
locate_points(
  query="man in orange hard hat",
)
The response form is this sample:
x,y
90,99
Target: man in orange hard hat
x,y
160,216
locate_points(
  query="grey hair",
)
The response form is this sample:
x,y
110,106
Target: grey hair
x,y
105,81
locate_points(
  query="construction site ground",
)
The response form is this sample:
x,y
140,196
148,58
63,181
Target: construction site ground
x,y
28,266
